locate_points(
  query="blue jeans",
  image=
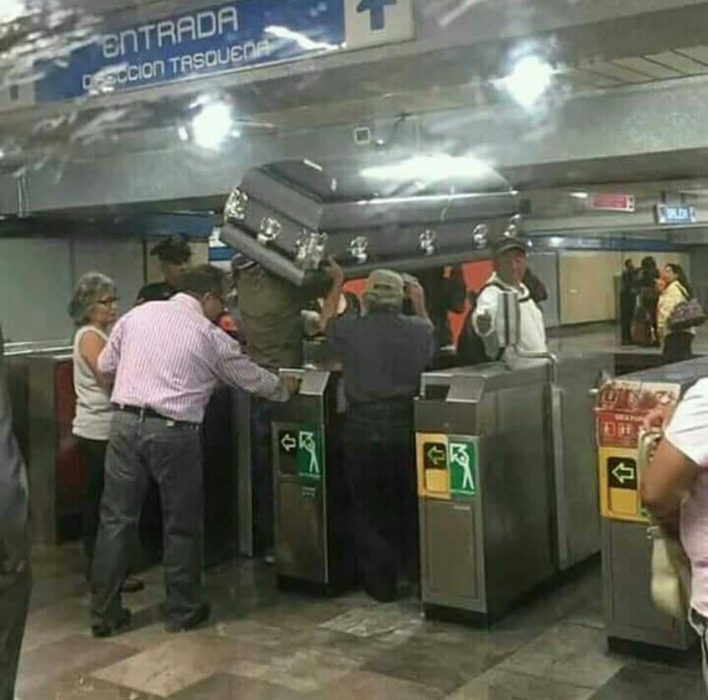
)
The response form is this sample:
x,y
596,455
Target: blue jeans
x,y
171,453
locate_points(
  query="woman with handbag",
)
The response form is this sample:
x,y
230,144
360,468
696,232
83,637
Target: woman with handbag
x,y
672,316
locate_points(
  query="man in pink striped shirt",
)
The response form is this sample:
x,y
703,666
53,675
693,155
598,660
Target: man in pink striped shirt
x,y
165,358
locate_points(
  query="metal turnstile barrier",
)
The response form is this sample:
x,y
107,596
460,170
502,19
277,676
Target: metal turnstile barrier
x,y
483,490
632,623
507,481
314,550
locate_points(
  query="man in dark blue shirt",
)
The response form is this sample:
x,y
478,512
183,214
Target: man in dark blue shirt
x,y
383,355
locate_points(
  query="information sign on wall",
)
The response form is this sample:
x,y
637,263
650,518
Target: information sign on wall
x,y
222,38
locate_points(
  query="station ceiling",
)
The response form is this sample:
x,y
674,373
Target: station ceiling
x,y
630,91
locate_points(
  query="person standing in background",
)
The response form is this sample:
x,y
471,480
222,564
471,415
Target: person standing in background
x,y
510,264
15,577
648,298
536,288
93,308
676,344
174,254
445,292
628,300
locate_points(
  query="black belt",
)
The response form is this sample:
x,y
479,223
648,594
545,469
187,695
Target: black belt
x,y
143,413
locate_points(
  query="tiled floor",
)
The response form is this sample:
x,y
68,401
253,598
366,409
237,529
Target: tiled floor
x,y
265,645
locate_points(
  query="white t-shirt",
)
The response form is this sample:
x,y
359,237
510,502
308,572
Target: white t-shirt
x,y
532,332
688,432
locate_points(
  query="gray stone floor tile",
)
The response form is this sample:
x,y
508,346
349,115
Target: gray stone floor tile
x,y
222,686
85,688
365,685
71,657
54,622
445,656
506,685
567,653
643,681
375,621
304,670
183,660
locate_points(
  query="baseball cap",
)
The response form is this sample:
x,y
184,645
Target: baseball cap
x,y
386,286
507,243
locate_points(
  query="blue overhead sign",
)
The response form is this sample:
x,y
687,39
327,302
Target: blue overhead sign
x,y
218,39
675,215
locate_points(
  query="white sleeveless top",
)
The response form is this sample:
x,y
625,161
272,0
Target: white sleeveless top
x,y
93,407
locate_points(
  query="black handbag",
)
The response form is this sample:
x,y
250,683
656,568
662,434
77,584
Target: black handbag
x,y
686,314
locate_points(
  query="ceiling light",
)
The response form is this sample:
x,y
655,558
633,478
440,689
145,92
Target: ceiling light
x,y
10,10
528,80
429,168
212,125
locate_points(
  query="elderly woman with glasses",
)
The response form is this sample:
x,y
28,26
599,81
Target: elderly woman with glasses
x,y
93,310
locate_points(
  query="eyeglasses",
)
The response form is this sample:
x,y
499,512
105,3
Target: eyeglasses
x,y
108,301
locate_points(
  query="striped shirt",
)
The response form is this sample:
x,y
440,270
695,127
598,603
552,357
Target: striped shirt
x,y
168,357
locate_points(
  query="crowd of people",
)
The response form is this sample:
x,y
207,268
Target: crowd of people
x,y
143,381
650,300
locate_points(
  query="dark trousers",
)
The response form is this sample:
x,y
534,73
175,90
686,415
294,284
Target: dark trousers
x,y
627,311
93,453
171,453
14,603
677,347
262,412
380,469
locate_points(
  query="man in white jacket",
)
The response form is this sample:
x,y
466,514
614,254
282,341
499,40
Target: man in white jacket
x,y
510,265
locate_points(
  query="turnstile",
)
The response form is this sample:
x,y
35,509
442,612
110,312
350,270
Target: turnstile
x,y
632,622
484,477
314,550
506,481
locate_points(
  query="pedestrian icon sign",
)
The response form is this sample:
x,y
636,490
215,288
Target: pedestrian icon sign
x,y
310,459
462,459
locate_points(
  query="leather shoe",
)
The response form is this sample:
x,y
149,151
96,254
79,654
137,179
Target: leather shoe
x,y
106,629
200,615
132,585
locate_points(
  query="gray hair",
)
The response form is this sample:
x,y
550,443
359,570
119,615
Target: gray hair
x,y
90,288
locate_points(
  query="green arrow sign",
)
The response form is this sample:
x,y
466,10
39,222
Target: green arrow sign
x,y
310,458
462,459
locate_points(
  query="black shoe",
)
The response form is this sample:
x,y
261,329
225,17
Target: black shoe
x,y
132,585
106,629
382,593
200,615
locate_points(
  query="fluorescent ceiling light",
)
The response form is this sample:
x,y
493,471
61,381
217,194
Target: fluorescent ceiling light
x,y
529,79
212,125
429,168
